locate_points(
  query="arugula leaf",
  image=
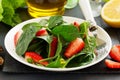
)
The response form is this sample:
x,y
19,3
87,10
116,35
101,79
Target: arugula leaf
x,y
54,21
84,28
29,32
68,32
59,47
57,62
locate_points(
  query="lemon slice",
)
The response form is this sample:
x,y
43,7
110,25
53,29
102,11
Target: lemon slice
x,y
111,13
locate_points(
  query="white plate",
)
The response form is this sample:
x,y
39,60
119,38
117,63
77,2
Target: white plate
x,y
9,45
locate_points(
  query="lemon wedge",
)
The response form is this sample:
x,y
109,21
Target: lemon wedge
x,y
110,13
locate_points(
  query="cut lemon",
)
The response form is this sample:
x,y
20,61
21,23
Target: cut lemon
x,y
111,13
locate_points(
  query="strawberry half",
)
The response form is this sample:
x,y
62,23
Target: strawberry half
x,y
35,57
112,64
53,46
42,32
74,47
16,37
115,53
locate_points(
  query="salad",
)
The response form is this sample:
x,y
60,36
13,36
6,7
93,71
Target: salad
x,y
54,43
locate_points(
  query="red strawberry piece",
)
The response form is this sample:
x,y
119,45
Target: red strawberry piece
x,y
53,46
35,57
16,37
74,47
115,53
76,24
42,32
112,64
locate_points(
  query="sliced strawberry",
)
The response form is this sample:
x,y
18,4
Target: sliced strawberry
x,y
115,52
16,37
42,32
53,46
74,47
76,24
112,64
35,57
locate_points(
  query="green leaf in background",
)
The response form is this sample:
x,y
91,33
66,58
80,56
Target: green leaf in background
x,y
1,10
68,32
17,3
9,14
105,0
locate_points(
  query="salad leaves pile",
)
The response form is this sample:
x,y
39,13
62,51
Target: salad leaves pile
x,y
65,32
8,14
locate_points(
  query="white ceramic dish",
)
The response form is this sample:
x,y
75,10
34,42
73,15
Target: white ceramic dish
x,y
9,45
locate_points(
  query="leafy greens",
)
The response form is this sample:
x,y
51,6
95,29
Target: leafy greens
x,y
65,34
8,14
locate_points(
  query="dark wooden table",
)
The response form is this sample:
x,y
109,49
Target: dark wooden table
x,y
102,74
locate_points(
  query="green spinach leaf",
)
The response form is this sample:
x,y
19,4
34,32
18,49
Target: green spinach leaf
x,y
46,38
68,32
43,22
54,21
29,32
56,63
